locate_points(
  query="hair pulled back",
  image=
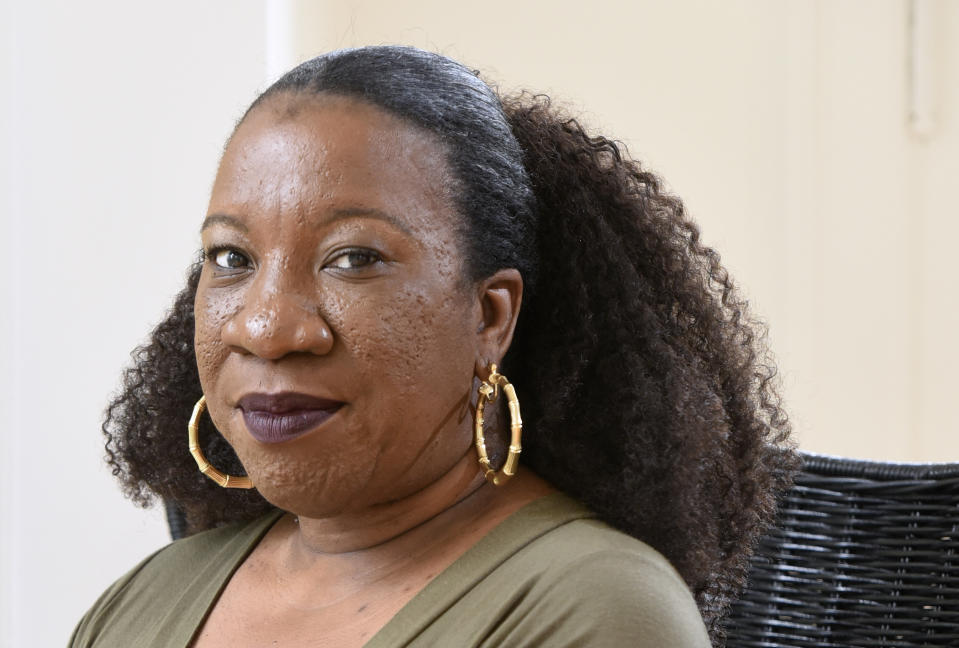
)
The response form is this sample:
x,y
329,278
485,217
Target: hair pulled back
x,y
645,384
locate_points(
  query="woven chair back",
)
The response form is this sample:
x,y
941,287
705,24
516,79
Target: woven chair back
x,y
863,554
175,519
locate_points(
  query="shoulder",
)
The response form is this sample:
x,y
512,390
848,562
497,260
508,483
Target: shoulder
x,y
589,546
577,542
181,561
552,575
179,573
601,587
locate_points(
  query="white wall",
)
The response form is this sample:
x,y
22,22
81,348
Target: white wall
x,y
114,116
784,125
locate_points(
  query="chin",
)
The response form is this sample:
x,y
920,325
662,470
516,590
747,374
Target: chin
x,y
315,494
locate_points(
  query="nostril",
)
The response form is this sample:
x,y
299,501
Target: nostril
x,y
313,335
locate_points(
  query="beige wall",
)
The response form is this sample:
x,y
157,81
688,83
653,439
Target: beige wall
x,y
785,127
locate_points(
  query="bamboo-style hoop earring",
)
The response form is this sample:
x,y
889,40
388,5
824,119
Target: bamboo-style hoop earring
x,y
488,392
226,481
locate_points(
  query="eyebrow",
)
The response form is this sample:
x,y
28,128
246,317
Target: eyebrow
x,y
224,219
338,214
369,212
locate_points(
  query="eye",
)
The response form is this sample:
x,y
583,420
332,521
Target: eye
x,y
354,259
228,258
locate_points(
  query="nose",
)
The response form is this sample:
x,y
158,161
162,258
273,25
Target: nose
x,y
273,323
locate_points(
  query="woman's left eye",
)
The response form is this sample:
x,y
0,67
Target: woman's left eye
x,y
354,259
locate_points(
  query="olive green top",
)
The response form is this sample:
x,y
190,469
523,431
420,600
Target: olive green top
x,y
549,575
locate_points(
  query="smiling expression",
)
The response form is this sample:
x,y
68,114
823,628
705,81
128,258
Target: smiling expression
x,y
335,336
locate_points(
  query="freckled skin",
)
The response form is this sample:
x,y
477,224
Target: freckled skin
x,y
395,340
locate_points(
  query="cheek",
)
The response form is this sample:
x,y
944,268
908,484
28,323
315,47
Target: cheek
x,y
415,330
211,313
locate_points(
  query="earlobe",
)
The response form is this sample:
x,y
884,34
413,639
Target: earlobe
x,y
500,297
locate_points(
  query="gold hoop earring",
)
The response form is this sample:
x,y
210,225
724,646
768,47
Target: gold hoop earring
x,y
488,392
226,481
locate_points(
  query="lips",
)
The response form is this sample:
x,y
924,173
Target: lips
x,y
275,418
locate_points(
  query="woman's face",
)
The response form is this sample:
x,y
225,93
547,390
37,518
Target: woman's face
x,y
335,338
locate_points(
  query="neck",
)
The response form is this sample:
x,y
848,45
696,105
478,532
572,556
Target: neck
x,y
335,557
390,521
459,508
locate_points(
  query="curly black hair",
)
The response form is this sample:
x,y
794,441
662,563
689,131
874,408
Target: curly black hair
x,y
647,389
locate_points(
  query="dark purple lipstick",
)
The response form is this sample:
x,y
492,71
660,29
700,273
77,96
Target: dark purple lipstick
x,y
275,418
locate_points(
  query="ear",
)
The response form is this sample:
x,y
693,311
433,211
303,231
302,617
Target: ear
x,y
500,296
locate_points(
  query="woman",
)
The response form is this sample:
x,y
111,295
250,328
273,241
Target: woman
x,y
390,252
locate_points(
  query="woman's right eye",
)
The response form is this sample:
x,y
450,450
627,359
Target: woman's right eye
x,y
228,259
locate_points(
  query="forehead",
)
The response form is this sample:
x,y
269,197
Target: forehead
x,y
308,154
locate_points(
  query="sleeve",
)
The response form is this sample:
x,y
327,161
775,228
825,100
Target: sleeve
x,y
609,599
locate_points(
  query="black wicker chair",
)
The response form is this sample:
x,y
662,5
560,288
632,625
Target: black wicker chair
x,y
863,554
175,519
